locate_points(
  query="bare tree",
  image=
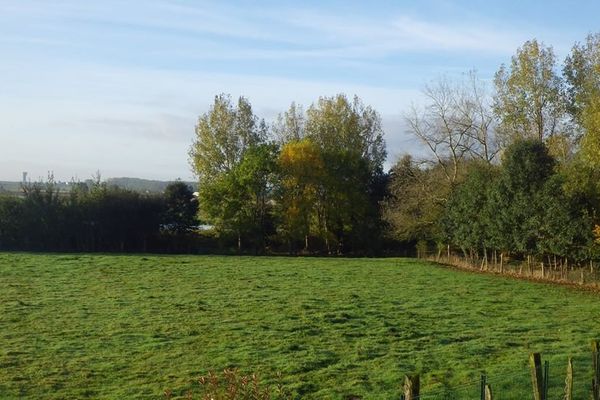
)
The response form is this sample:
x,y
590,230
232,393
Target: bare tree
x,y
456,124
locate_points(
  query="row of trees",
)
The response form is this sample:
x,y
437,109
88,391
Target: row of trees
x,y
96,217
513,170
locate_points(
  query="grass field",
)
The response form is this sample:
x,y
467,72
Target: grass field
x,y
120,327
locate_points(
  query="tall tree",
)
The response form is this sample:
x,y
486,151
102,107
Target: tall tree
x,y
290,126
237,203
339,125
582,73
302,172
520,210
456,124
350,138
231,160
528,98
222,135
467,215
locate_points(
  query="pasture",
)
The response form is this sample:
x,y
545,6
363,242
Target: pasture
x,y
131,326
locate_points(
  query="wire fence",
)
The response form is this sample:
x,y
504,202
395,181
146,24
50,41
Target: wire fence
x,y
556,379
550,270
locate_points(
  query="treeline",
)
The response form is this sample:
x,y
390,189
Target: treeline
x,y
99,217
513,171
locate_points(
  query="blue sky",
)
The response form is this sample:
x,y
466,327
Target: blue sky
x,y
117,86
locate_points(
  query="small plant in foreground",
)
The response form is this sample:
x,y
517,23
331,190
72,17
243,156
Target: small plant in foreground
x,y
231,385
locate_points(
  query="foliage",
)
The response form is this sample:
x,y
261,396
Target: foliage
x,y
581,71
350,139
524,208
302,170
467,214
528,98
181,208
222,135
415,201
231,385
92,218
237,202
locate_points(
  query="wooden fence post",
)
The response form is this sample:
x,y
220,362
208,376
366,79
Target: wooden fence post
x,y
411,387
488,392
596,365
569,380
537,376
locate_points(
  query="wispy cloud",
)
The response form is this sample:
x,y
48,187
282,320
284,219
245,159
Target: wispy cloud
x,y
120,84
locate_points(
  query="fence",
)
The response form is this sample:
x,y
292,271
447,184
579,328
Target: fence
x,y
551,269
540,378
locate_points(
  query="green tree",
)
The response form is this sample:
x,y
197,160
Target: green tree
x,y
222,136
338,125
520,210
181,208
302,171
582,75
350,139
229,157
467,215
238,203
290,126
528,98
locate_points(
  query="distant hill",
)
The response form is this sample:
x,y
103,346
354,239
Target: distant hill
x,y
135,184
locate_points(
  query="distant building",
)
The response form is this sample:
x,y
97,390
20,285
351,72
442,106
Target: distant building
x,y
24,176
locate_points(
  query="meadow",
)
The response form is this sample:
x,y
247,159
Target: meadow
x,y
131,326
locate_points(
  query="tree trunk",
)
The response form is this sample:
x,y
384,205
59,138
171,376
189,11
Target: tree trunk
x,y
485,257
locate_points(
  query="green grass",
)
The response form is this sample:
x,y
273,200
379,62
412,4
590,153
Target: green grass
x,y
120,327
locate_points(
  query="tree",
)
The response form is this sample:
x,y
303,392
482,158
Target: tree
x,y
181,208
582,75
519,208
290,126
350,139
302,171
456,124
237,203
337,125
257,175
467,215
416,199
528,98
222,136
229,156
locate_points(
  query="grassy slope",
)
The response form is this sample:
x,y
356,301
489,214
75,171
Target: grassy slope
x,y
131,326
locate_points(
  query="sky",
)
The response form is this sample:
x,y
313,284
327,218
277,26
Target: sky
x,y
117,86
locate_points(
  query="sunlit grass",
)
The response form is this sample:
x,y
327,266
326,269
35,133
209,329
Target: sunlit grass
x,y
99,326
